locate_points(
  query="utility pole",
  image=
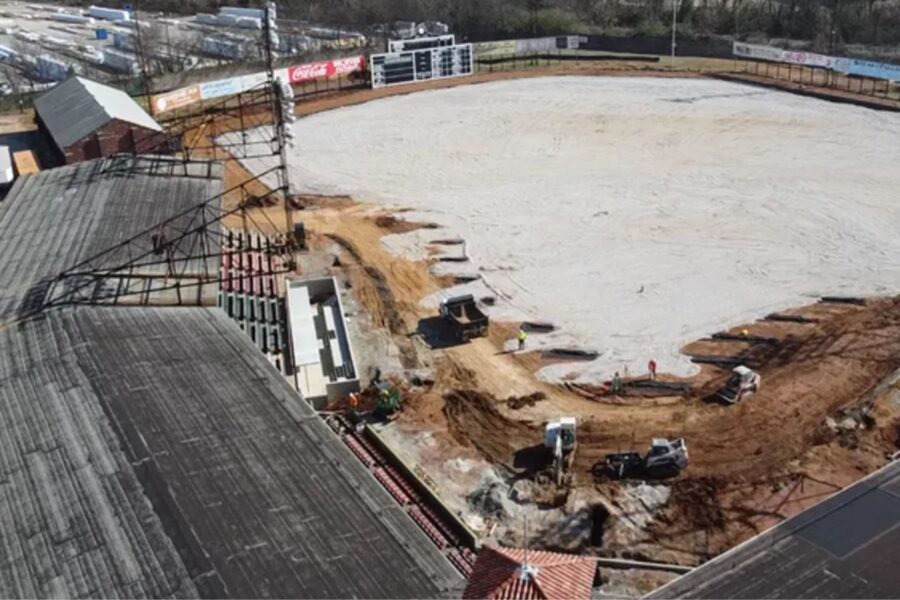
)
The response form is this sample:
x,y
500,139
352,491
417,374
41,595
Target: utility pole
x,y
142,58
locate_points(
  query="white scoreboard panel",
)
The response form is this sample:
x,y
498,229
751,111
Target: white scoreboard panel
x,y
421,43
395,68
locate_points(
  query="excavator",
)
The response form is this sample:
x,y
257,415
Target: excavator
x,y
560,442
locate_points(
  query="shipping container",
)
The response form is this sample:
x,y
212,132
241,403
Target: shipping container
x,y
102,34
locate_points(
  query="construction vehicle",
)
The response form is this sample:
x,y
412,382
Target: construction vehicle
x,y
465,318
560,442
666,458
742,384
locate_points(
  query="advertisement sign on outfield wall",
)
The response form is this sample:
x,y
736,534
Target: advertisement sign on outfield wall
x,y
175,99
231,86
867,68
495,48
808,59
326,68
535,45
760,52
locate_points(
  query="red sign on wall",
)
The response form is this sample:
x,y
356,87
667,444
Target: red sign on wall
x,y
326,68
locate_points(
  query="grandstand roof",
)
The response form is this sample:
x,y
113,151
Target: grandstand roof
x,y
154,451
844,547
77,107
57,218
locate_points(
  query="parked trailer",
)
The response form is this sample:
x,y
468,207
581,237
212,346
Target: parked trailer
x,y
49,68
249,23
223,48
70,18
237,11
109,14
120,61
124,41
206,19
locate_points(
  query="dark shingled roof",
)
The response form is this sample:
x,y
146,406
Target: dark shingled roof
x,y
844,547
154,451
77,107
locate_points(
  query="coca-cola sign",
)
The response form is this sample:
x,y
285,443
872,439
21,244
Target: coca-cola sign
x,y
325,68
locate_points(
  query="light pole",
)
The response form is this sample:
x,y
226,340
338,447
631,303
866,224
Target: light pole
x,y
674,27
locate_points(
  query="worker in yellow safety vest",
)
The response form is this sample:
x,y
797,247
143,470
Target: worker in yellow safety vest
x,y
521,336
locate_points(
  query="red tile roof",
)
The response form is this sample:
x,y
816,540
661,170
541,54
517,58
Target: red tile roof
x,y
497,575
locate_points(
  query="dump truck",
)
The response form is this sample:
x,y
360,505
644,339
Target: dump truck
x,y
743,383
465,318
665,458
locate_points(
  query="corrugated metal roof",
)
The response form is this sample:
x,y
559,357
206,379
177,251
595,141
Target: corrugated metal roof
x,y
498,575
152,452
56,218
77,107
844,547
75,518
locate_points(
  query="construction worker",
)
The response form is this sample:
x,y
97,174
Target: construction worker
x,y
744,333
521,336
651,366
617,386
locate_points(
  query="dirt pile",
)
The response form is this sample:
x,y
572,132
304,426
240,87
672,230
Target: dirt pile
x,y
392,224
517,402
474,420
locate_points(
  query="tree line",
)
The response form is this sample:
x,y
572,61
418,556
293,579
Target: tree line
x,y
828,24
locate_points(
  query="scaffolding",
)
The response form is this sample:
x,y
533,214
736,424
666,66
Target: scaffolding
x,y
177,261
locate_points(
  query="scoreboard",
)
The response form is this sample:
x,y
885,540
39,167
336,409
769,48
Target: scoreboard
x,y
420,43
394,68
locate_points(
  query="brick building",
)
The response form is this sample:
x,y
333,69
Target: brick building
x,y
87,120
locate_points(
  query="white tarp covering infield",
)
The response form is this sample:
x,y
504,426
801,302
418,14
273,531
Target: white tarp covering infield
x,y
637,214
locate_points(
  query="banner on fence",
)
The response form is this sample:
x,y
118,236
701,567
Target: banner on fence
x,y
760,52
867,68
808,59
535,45
326,68
848,66
175,99
496,48
231,86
